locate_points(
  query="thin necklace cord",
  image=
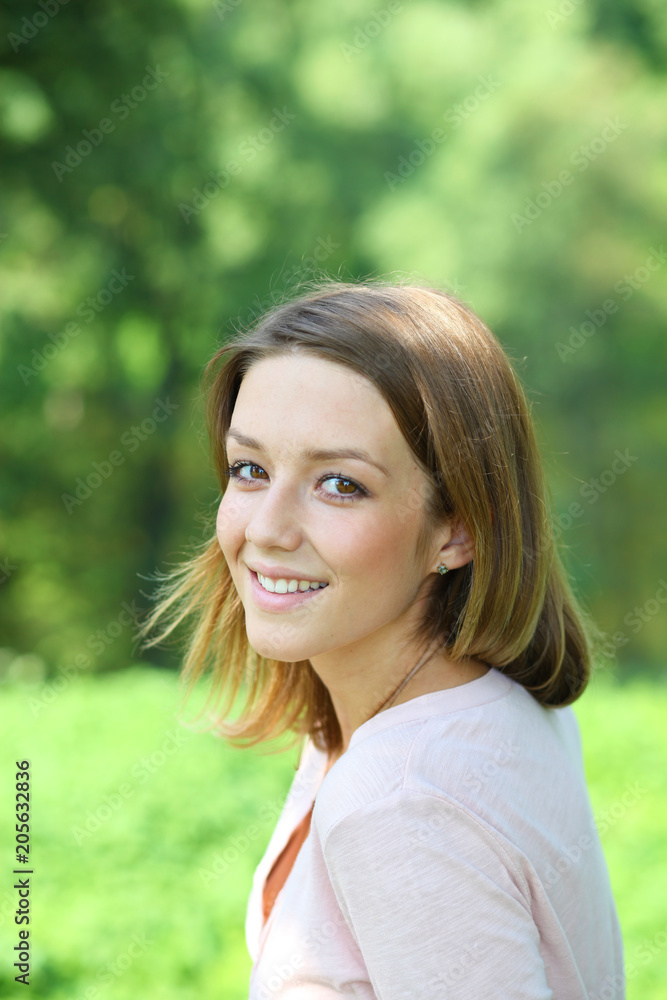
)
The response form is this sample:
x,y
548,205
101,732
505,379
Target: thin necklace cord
x,y
424,659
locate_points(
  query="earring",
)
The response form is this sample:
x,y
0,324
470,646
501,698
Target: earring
x,y
442,569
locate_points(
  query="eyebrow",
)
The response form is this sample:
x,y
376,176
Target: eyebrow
x,y
313,454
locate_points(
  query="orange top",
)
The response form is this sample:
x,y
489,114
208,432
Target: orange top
x,y
282,866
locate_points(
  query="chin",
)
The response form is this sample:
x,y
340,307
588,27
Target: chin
x,y
281,643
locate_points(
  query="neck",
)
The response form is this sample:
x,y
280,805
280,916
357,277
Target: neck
x,y
374,679
388,702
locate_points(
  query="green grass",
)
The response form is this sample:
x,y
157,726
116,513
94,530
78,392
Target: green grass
x,y
123,842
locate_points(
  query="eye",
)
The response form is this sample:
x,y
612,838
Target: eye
x,y
347,489
234,471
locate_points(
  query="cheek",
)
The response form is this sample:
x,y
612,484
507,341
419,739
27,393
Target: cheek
x,y
230,525
379,549
410,510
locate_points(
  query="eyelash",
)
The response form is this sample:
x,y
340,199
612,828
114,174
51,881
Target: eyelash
x,y
233,473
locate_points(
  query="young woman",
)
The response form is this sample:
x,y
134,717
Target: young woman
x,y
384,582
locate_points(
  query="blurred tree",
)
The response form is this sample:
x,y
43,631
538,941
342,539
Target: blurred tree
x,y
170,170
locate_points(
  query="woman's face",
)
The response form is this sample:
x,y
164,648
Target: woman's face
x,y
324,490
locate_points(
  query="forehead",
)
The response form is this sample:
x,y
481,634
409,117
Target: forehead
x,y
303,401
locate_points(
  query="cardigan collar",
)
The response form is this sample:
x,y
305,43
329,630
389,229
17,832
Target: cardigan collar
x,y
480,691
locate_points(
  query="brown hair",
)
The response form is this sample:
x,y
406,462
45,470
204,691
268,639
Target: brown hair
x,y
461,408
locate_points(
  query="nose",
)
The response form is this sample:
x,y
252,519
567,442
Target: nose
x,y
274,521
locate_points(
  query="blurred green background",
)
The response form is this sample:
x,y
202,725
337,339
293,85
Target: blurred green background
x,y
169,171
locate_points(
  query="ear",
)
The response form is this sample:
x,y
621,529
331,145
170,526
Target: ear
x,y
456,546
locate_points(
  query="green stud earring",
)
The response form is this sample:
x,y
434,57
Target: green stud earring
x,y
442,569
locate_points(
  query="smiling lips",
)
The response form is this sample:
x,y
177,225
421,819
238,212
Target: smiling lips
x,y
287,586
287,593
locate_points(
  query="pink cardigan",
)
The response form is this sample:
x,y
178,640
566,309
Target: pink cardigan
x,y
452,853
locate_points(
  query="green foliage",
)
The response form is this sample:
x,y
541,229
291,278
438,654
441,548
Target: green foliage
x,y
624,745
169,171
129,808
131,812
172,169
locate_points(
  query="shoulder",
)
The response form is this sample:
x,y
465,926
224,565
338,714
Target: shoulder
x,y
505,764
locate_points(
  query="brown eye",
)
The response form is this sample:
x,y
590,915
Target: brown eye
x,y
343,489
348,487
238,469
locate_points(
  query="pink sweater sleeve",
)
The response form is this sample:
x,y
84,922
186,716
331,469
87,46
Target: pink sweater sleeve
x,y
435,903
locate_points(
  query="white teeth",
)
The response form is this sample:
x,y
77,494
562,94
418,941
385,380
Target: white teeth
x,y
283,586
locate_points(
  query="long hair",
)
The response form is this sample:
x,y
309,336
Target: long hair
x,y
461,408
